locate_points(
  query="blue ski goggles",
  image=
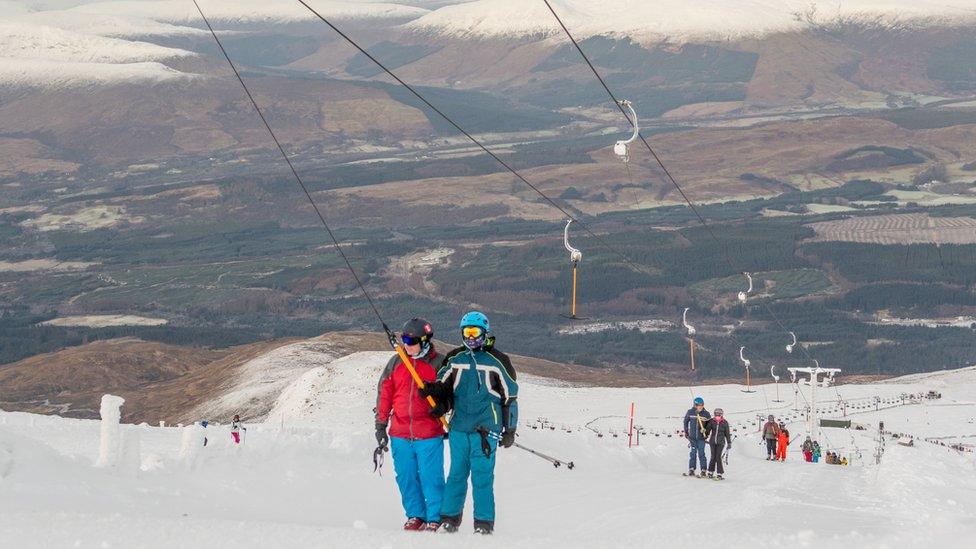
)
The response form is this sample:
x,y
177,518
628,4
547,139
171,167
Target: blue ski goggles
x,y
411,340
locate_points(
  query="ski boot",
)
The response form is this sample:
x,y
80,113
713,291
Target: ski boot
x,y
709,475
483,527
690,473
701,475
413,524
719,477
431,527
449,524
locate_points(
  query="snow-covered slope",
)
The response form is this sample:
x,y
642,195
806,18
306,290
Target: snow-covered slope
x,y
304,478
675,19
81,42
252,11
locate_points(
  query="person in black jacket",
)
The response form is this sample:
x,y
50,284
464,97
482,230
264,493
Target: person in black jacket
x,y
718,435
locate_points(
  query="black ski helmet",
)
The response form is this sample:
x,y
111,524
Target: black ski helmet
x,y
418,330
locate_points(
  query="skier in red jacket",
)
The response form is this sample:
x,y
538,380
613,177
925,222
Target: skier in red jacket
x,y
417,436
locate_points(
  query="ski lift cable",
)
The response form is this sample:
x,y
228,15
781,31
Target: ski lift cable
x,y
298,178
602,241
701,219
476,142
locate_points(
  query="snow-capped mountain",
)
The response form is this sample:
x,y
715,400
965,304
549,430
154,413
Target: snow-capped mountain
x,y
679,19
75,43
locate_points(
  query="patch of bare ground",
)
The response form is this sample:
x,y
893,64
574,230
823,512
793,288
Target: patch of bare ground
x,y
911,228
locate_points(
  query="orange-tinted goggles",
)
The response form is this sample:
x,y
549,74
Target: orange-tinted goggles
x,y
472,332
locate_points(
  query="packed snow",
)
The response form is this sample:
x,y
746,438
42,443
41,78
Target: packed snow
x,y
677,19
304,477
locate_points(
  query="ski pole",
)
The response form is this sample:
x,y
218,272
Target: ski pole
x,y
555,462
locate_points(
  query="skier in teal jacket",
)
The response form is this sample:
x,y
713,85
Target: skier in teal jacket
x,y
478,382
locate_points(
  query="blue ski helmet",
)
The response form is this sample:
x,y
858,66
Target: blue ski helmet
x,y
699,400
475,318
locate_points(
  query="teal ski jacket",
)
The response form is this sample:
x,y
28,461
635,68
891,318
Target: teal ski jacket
x,y
485,392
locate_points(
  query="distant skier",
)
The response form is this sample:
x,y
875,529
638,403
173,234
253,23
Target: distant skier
x,y
782,442
816,452
770,433
236,427
694,427
204,424
417,436
480,383
718,435
808,450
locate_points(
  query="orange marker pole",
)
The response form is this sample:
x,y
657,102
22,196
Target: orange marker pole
x,y
416,379
630,432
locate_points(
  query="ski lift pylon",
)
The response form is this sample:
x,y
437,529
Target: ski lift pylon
x,y
620,147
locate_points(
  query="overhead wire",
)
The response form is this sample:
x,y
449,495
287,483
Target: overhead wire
x,y
298,178
475,141
701,219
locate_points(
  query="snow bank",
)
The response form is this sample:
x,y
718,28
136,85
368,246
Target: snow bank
x,y
675,19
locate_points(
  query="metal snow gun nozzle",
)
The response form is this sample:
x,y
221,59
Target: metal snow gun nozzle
x,y
620,147
743,296
574,255
789,347
689,329
690,334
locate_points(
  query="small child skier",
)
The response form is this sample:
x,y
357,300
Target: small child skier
x,y
236,427
816,452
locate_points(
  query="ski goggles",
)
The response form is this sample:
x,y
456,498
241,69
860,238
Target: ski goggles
x,y
472,332
411,340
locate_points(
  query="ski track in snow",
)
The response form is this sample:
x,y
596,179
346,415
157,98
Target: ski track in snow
x,y
310,483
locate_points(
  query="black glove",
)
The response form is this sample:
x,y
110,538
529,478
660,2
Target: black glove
x,y
508,438
437,389
441,407
382,439
730,445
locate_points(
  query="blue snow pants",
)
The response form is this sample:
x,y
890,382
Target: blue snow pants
x,y
467,458
419,466
697,449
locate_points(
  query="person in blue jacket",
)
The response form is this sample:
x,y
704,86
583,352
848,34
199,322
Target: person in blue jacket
x,y
477,382
694,426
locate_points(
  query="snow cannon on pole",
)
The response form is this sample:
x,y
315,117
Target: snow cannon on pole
x,y
690,335
575,256
772,372
791,346
744,295
746,363
620,147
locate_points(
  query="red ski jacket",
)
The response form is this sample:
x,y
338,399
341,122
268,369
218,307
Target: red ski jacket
x,y
397,395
